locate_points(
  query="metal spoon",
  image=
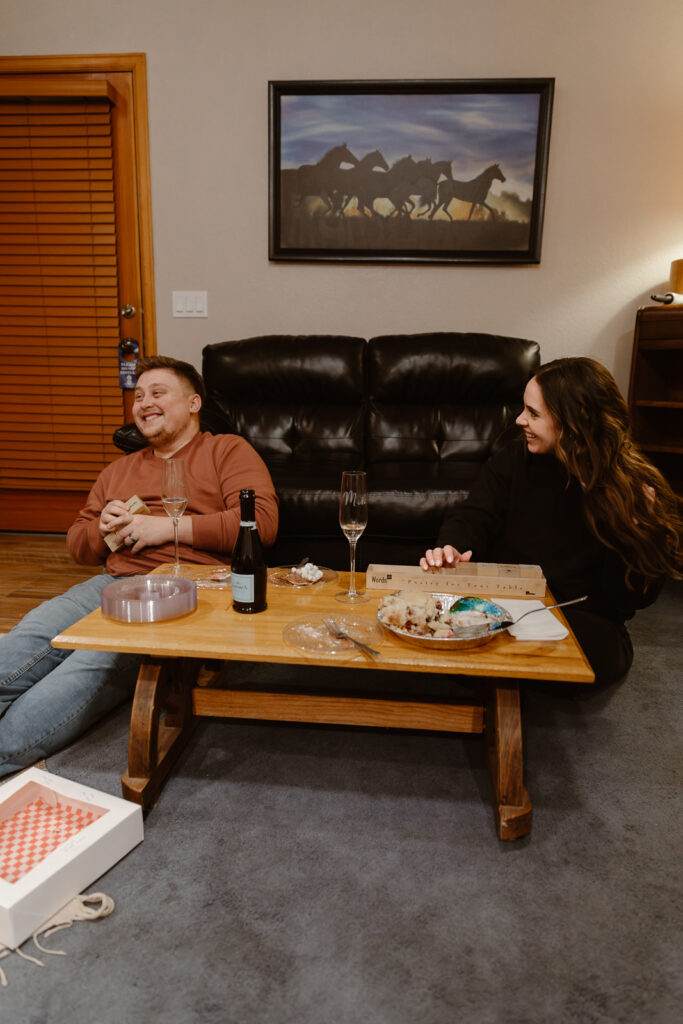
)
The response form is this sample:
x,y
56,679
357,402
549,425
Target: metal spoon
x,y
506,623
472,632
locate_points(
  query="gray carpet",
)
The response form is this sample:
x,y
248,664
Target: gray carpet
x,y
306,875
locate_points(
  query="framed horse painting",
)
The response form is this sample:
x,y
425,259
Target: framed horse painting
x,y
412,171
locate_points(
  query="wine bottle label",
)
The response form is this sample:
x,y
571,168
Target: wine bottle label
x,y
249,523
242,587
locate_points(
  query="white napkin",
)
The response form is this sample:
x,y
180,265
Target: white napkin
x,y
541,626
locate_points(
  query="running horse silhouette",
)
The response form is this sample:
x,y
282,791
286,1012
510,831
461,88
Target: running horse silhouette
x,y
350,182
420,189
391,184
426,187
312,179
474,191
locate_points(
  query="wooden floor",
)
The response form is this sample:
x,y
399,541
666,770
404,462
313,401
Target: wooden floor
x,y
33,568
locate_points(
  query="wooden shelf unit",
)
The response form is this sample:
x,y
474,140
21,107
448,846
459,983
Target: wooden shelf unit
x,y
655,395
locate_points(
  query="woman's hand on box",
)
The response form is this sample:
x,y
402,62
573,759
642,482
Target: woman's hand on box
x,y
434,558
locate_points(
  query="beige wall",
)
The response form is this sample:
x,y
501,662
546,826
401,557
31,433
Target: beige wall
x,y
614,209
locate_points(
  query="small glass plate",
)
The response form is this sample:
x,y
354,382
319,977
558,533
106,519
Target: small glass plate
x,y
280,578
311,634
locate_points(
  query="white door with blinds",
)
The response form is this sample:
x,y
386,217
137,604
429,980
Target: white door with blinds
x,y
61,235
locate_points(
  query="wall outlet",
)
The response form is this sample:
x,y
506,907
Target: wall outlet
x,y
190,304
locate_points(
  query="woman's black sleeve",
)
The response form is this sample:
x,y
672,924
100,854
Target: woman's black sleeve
x,y
475,524
619,595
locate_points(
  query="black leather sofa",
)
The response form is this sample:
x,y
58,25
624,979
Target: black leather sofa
x,y
420,413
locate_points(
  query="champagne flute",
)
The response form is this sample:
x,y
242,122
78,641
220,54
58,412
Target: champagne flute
x,y
174,496
353,518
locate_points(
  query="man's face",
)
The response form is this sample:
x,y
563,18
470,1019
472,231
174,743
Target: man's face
x,y
163,407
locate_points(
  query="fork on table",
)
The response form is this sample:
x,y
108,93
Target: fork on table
x,y
338,632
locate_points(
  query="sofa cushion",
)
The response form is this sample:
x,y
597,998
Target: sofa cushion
x,y
443,396
412,501
450,433
308,490
300,395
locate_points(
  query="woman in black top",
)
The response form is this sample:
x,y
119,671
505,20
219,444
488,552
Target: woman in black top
x,y
575,496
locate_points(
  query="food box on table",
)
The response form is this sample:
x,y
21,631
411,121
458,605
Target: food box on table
x,y
491,578
56,838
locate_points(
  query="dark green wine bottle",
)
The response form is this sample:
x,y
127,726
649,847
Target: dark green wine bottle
x,y
248,572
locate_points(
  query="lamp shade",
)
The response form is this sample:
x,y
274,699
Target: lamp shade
x,y
676,280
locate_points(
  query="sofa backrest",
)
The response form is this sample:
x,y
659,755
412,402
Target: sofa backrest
x,y
301,395
443,396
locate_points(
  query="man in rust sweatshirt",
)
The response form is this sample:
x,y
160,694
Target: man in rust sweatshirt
x,y
49,696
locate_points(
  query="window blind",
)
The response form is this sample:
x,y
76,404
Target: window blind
x,y
59,308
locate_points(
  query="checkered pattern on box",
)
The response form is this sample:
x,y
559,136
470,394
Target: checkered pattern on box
x,y
35,831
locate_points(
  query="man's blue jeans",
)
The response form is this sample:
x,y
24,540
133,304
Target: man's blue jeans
x,y
49,697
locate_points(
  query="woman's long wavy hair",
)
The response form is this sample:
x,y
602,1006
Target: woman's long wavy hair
x,y
594,444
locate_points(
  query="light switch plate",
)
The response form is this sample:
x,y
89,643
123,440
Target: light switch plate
x,y
190,304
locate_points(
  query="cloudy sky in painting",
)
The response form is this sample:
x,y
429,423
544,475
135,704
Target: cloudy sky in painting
x,y
472,131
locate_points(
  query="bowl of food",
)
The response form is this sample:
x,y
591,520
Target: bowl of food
x,y
440,621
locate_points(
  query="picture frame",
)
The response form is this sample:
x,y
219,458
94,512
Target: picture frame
x,y
463,163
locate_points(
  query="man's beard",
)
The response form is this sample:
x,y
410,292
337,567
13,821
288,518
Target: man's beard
x,y
160,436
157,433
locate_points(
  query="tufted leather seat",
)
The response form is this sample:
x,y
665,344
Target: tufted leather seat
x,y
437,404
420,413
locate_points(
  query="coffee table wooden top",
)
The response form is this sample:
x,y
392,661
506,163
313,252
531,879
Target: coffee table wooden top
x,y
215,631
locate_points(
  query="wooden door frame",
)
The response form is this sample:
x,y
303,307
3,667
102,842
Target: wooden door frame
x,y
96,65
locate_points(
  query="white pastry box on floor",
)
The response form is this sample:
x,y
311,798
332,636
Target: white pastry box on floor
x,y
56,838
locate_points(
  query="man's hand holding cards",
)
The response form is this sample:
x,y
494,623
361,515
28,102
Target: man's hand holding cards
x,y
137,508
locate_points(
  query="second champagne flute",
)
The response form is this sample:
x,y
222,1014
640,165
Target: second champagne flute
x,y
174,496
353,518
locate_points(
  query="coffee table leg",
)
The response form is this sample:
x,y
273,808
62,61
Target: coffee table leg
x,y
160,725
503,730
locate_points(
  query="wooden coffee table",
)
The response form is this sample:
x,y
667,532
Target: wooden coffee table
x,y
185,675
